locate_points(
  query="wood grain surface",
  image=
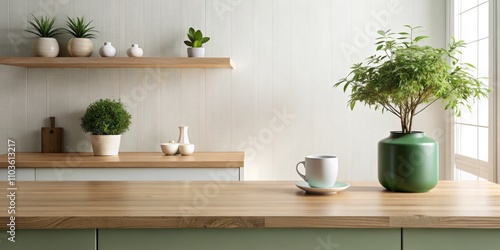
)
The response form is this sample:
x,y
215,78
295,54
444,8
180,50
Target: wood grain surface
x,y
117,62
248,204
127,160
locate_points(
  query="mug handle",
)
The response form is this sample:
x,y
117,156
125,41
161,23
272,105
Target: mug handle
x,y
297,168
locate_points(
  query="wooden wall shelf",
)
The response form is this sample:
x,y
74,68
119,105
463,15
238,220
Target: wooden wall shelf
x,y
118,62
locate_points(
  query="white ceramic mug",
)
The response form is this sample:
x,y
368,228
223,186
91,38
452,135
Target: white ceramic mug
x,y
321,170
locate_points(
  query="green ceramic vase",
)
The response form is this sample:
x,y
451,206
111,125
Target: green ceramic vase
x,y
408,162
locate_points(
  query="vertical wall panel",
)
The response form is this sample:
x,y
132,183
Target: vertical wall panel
x,y
36,107
341,115
5,45
282,32
242,92
263,114
18,39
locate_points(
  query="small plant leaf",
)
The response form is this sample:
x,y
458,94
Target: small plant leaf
x,y
198,35
205,39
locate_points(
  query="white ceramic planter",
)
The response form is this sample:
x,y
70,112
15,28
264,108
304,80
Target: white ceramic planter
x,y
45,47
80,47
196,52
105,144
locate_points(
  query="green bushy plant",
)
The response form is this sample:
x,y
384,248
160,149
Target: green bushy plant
x,y
196,39
106,117
43,27
79,28
404,78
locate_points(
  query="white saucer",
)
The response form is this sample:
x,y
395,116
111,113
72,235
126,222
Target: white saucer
x,y
339,186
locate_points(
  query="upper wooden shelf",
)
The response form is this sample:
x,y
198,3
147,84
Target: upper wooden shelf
x,y
127,160
118,62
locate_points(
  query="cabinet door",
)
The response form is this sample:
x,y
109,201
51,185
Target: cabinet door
x,y
249,239
48,239
137,174
453,239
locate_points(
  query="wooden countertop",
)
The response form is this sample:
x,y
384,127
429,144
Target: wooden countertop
x,y
249,204
127,160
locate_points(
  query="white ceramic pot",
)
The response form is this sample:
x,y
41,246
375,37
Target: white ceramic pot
x,y
45,47
196,52
80,47
107,50
134,51
105,144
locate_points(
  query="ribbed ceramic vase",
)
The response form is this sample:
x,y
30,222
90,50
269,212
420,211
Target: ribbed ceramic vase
x,y
45,47
80,47
408,162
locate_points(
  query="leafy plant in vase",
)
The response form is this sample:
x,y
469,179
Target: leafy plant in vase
x,y
45,45
106,120
195,42
80,45
404,78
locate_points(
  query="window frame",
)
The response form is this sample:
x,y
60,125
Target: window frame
x,y
494,112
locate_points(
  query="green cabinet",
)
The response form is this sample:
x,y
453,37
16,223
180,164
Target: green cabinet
x,y
51,239
452,239
249,239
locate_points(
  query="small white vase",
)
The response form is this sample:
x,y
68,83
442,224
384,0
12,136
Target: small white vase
x,y
196,52
105,144
107,50
134,51
183,135
80,47
45,47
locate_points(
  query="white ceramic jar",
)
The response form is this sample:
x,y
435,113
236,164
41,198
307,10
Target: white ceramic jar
x,y
107,50
134,51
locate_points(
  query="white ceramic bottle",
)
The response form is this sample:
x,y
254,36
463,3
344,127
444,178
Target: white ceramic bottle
x,y
134,51
107,50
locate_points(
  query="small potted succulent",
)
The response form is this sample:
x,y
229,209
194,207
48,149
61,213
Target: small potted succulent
x,y
195,43
45,45
80,45
106,120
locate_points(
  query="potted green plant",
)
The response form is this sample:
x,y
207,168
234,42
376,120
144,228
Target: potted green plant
x,y
195,43
404,78
80,45
45,45
106,120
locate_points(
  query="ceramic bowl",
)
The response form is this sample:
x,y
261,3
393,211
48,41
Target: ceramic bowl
x,y
169,148
186,149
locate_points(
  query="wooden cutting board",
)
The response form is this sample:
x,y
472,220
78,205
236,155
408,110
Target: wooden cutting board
x,y
52,138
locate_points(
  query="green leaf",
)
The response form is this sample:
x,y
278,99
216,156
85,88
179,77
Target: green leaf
x,y
191,32
351,105
205,39
188,43
418,38
197,44
381,32
198,35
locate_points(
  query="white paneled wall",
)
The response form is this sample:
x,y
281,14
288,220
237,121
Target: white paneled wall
x,y
277,104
